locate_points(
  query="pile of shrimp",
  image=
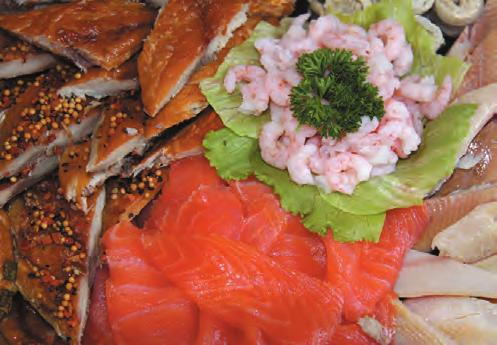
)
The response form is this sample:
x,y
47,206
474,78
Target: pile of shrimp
x,y
374,149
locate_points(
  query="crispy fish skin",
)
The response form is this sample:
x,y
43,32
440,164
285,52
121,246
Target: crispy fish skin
x,y
40,123
19,58
8,266
94,32
272,8
23,325
187,142
190,101
171,52
186,34
127,196
73,177
99,83
119,133
14,185
55,250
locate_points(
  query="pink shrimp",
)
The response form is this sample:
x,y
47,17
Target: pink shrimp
x,y
435,107
419,89
324,26
382,75
254,94
274,144
343,172
392,35
299,164
274,56
278,89
403,63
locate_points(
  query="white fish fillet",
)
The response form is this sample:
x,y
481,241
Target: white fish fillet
x,y
412,329
467,320
488,264
428,275
472,238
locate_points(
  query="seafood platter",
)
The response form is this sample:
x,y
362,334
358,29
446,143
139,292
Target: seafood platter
x,y
248,172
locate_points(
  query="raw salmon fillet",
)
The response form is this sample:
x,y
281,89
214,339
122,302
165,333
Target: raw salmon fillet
x,y
98,331
143,307
247,289
367,271
222,263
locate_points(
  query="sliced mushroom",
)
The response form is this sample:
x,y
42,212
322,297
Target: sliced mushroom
x,y
458,13
347,6
317,7
433,30
421,6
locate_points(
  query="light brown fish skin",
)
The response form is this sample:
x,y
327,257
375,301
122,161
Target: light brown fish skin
x,y
447,210
272,8
484,145
477,45
187,34
444,212
95,32
190,101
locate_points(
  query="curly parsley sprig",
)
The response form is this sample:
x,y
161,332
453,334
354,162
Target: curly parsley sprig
x,y
334,93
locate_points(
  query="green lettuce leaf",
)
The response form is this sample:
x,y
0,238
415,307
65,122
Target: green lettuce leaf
x,y
235,154
236,157
225,104
347,227
416,176
230,154
426,61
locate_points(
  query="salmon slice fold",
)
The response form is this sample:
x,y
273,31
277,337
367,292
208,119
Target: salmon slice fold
x,y
143,307
245,288
186,34
95,32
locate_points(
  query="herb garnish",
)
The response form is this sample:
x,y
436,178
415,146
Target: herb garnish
x,y
334,93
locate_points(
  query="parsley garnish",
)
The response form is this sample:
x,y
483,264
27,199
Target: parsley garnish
x,y
334,93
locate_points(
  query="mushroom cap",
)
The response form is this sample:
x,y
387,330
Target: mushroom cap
x,y
422,6
348,6
460,13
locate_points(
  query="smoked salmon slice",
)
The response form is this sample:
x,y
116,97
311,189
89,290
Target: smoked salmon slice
x,y
143,307
300,250
212,331
240,285
367,271
98,331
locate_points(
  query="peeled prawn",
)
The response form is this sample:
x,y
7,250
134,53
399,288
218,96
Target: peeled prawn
x,y
393,37
274,145
254,94
435,107
419,89
298,164
344,171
